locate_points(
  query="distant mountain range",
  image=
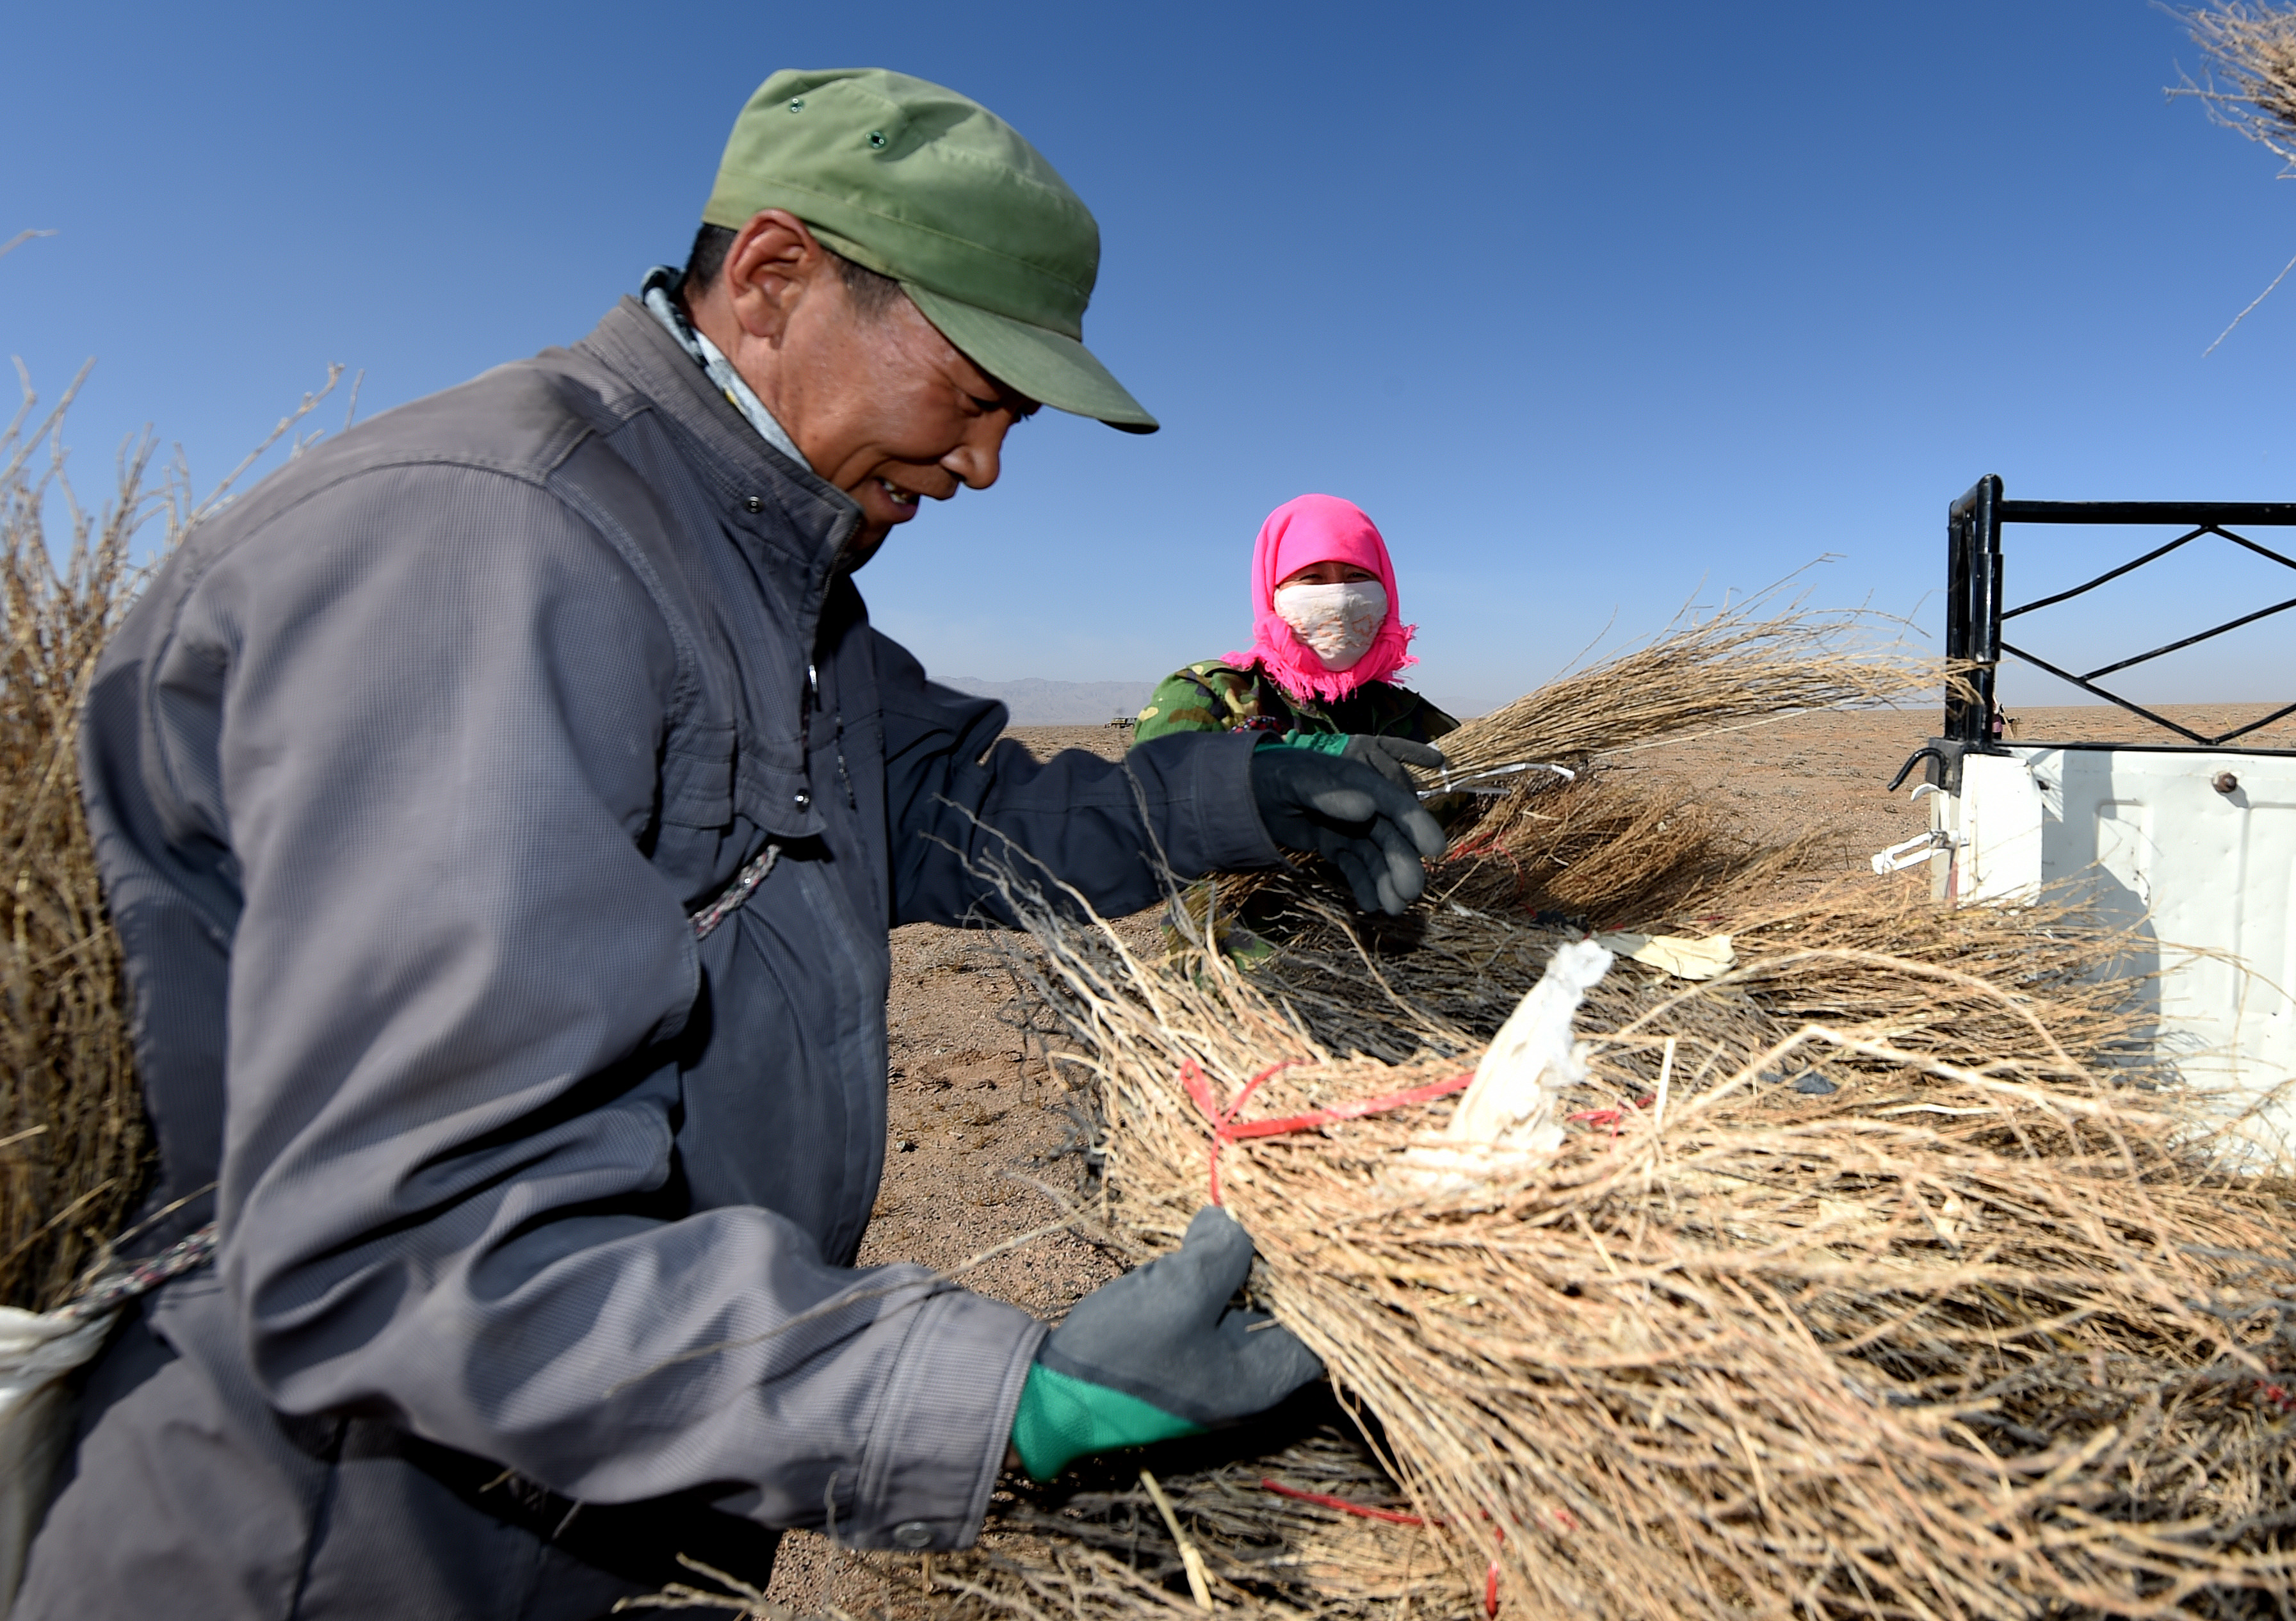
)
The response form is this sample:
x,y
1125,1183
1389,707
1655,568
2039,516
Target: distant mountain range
x,y
1037,702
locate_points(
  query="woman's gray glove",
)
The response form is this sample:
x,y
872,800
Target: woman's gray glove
x,y
1390,755
1158,1352
1375,833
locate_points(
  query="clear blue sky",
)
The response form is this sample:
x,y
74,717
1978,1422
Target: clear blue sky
x,y
1588,306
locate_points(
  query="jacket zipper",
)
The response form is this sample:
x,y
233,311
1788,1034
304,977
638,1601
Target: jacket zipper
x,y
837,739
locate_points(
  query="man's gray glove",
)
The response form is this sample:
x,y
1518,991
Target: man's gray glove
x,y
1375,833
1158,1352
1390,755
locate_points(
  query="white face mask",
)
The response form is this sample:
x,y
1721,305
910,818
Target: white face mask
x,y
1337,622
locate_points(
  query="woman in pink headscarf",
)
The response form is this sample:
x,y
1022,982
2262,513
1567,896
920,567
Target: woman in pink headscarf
x,y
1327,637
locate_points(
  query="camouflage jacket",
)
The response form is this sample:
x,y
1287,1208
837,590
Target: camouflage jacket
x,y
1217,697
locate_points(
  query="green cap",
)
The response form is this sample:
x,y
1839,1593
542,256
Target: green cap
x,y
934,190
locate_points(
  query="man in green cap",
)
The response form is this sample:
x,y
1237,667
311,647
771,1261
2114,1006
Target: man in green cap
x,y
503,809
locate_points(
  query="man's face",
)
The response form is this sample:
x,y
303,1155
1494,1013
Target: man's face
x,y
886,408
882,406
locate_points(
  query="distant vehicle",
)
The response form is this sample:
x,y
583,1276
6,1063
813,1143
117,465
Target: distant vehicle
x,y
2189,845
1126,721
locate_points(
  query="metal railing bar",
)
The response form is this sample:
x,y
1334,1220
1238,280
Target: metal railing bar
x,y
2254,724
2261,551
2134,709
2008,613
2209,513
2230,624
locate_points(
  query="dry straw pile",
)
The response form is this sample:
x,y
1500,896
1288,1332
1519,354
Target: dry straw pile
x,y
1880,1276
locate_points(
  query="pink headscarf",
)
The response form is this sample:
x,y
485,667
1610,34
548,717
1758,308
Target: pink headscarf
x,y
1320,528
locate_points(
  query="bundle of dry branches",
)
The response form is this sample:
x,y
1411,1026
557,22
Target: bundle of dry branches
x,y
1764,658
72,1134
1972,1326
74,1144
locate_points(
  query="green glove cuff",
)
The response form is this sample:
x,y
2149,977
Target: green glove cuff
x,y
1061,1418
1318,743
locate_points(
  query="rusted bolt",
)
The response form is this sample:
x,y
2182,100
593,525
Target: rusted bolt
x,y
2225,782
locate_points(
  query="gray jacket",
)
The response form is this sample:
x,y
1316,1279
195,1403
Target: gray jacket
x,y
405,774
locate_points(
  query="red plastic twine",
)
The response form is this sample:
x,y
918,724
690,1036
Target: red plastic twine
x,y
1365,1511
1606,1117
1225,1129
1362,1511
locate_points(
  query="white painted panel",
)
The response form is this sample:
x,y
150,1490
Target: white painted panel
x,y
2121,837
2204,878
2001,823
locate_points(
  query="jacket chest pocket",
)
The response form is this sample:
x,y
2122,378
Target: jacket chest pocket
x,y
778,795
709,780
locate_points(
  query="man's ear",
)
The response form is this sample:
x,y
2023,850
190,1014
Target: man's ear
x,y
773,260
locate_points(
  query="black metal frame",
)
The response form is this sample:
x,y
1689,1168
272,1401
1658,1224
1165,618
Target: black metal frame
x,y
1974,614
